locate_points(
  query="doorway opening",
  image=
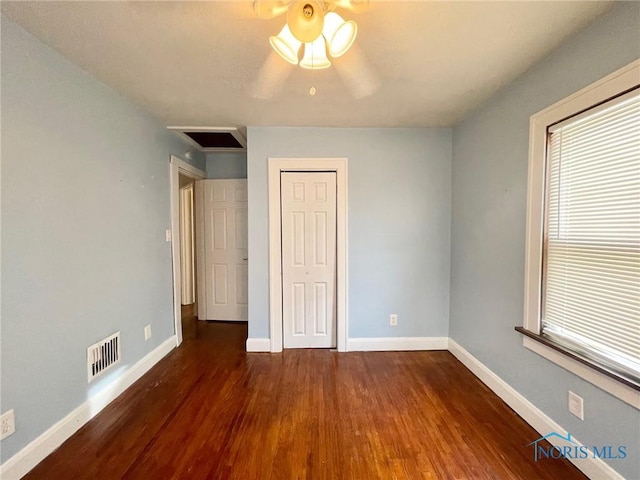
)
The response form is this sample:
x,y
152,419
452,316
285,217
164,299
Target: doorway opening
x,y
182,175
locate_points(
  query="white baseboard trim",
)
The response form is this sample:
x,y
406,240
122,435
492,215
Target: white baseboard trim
x,y
258,345
592,467
396,344
36,451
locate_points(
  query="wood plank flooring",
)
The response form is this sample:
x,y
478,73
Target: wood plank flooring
x,y
211,411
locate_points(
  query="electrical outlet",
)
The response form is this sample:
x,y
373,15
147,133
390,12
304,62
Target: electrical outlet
x,y
7,424
393,319
147,332
576,405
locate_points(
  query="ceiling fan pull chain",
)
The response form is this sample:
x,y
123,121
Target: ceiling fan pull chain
x,y
312,90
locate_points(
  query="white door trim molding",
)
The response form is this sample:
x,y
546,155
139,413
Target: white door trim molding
x,y
178,167
277,165
188,169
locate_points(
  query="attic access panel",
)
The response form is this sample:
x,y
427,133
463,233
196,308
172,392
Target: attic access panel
x,y
212,139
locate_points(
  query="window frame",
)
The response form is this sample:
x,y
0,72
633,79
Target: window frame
x,y
611,86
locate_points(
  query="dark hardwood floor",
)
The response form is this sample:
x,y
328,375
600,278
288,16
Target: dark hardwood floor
x,y
210,410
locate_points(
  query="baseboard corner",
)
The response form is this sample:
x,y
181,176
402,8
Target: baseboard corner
x,y
258,345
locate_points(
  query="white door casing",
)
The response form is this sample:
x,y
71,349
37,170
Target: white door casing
x,y
222,264
275,167
308,203
178,167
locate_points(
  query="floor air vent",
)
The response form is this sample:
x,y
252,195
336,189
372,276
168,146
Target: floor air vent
x,y
103,355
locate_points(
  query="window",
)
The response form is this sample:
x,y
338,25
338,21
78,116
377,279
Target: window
x,y
591,250
582,295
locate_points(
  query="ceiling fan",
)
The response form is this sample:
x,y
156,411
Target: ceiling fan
x,y
314,27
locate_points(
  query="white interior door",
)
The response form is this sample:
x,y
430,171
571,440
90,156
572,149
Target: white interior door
x,y
308,202
224,266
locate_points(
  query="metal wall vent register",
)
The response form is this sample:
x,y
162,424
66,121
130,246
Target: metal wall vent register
x,y
103,355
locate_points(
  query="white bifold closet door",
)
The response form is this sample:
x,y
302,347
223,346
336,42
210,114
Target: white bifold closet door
x,y
308,201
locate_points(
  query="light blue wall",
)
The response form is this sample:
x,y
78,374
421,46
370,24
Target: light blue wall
x,y
227,165
399,222
85,205
85,202
488,232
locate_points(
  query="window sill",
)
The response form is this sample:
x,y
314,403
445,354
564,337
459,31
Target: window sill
x,y
611,382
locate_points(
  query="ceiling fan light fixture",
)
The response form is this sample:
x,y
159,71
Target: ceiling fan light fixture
x,y
286,45
315,55
305,19
340,35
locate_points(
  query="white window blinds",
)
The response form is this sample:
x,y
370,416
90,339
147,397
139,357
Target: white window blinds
x,y
591,286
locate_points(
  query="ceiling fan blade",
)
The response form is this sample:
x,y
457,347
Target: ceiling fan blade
x,y
270,8
356,6
271,78
356,73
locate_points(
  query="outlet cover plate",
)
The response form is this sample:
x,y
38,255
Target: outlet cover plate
x,y
393,319
147,332
576,405
7,424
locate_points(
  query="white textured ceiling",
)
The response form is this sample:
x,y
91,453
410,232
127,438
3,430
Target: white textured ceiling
x,y
210,63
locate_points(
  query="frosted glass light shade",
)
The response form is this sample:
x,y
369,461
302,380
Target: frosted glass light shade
x,y
286,45
305,19
315,55
340,35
